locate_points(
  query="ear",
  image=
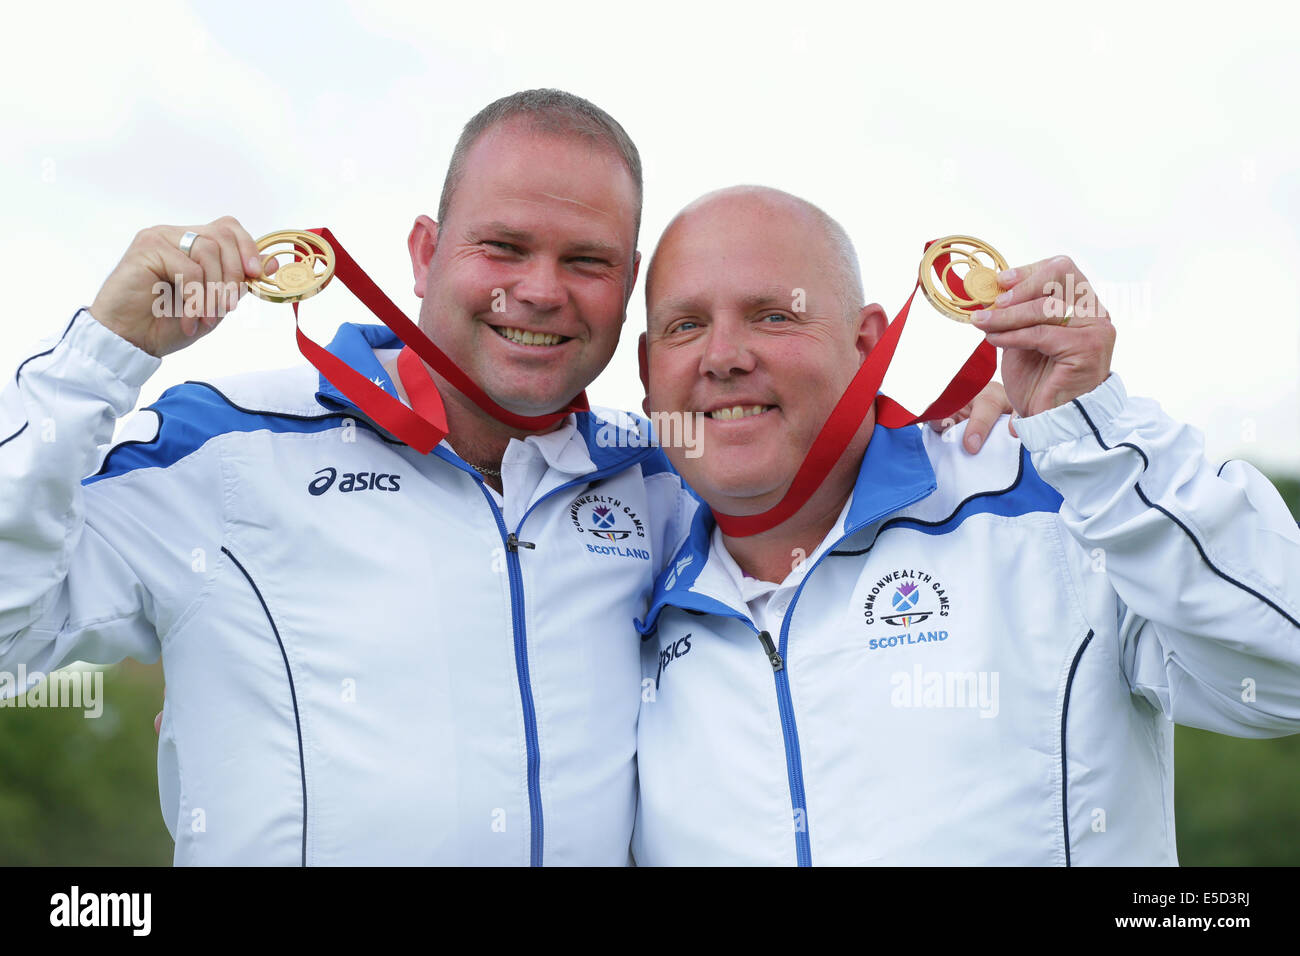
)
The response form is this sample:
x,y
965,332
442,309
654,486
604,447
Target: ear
x,y
644,364
872,323
421,243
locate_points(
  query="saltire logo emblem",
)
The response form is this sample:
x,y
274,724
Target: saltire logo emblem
x,y
904,600
603,521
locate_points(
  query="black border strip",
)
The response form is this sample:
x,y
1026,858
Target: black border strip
x,y
30,358
1065,772
1186,530
918,522
357,418
1097,435
302,764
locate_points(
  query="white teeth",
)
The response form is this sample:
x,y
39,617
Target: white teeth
x,y
529,338
737,411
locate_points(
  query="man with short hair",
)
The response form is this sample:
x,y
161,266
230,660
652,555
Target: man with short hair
x,y
371,655
937,659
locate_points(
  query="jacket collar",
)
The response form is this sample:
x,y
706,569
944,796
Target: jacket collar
x,y
895,473
613,442
356,344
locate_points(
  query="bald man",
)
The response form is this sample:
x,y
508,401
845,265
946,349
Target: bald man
x,y
937,659
374,655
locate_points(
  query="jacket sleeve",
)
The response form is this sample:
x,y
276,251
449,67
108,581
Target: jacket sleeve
x,y
76,558
1205,561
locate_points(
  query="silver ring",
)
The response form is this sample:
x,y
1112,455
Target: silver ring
x,y
187,242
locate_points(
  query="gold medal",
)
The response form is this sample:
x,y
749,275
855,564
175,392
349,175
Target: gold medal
x,y
974,262
309,272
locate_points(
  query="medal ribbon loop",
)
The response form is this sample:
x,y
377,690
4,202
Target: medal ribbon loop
x,y
852,408
425,424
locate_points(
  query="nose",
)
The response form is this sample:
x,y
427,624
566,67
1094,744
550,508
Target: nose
x,y
541,286
726,352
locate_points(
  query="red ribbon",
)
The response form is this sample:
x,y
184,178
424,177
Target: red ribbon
x,y
852,408
426,424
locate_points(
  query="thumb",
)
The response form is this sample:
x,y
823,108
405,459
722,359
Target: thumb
x,y
254,267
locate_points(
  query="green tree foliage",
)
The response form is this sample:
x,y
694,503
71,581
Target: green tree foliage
x,y
77,790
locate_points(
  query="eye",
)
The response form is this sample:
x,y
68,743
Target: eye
x,y
503,246
778,316
589,261
686,325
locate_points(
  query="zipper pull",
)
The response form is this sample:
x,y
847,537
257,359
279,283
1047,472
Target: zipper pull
x,y
514,544
770,648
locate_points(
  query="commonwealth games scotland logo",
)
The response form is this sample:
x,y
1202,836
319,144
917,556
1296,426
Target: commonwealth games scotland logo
x,y
906,597
604,516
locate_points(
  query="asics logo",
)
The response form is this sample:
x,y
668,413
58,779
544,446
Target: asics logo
x,y
352,481
679,648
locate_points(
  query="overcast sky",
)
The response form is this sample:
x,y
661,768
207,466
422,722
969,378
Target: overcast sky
x,y
1157,145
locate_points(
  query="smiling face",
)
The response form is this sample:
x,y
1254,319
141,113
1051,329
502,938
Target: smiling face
x,y
526,282
749,322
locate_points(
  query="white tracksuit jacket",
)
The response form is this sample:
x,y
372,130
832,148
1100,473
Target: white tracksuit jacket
x,y
362,664
983,665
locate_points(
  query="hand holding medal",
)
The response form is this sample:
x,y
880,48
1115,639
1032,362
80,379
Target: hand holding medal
x,y
175,283
1057,338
